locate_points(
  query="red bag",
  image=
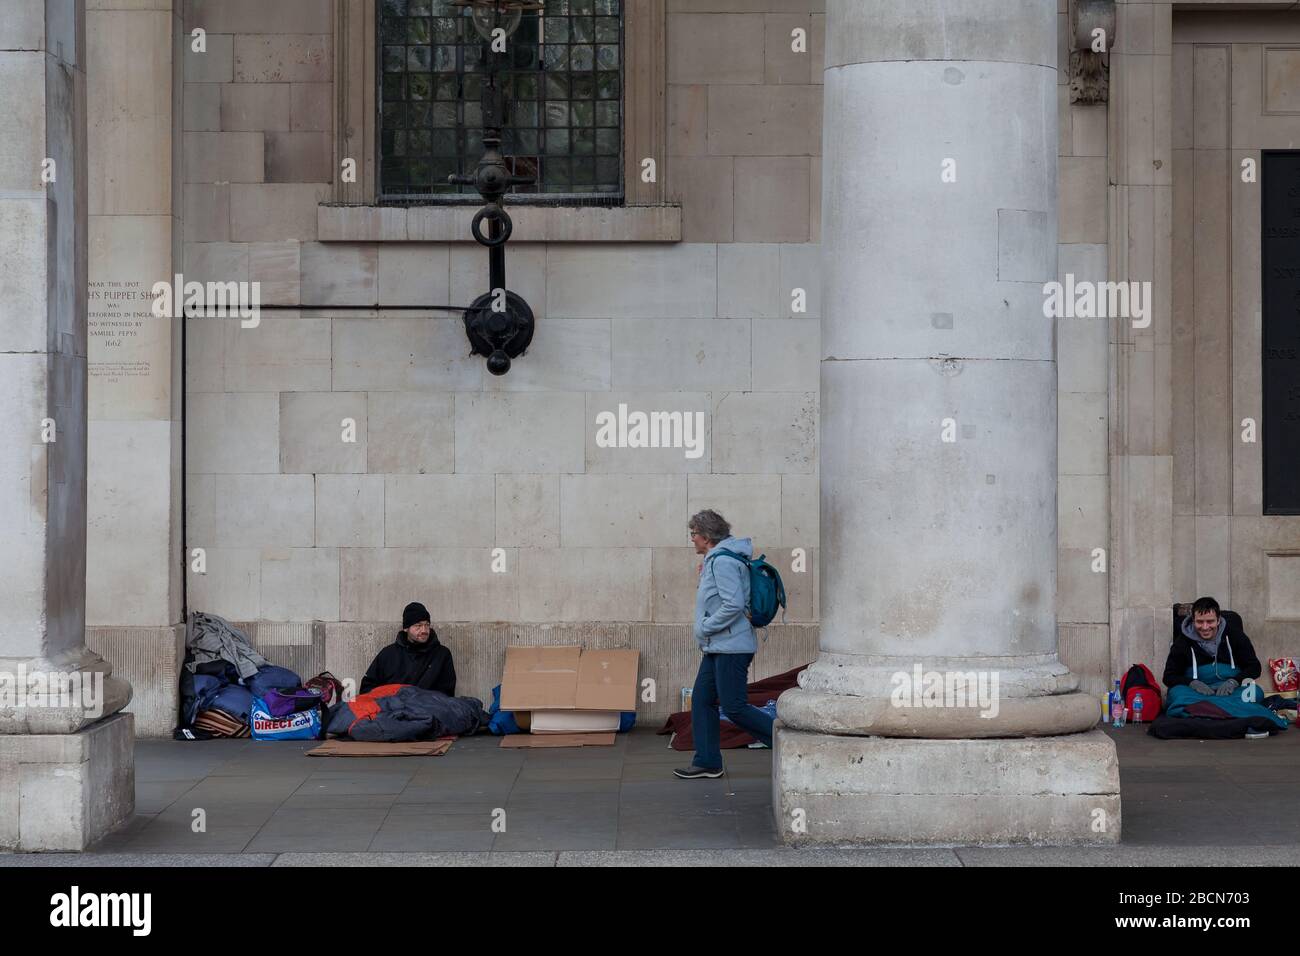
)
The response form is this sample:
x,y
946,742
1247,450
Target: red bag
x,y
1140,682
331,690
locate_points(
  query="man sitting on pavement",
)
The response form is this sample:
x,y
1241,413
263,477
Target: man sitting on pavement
x,y
1210,656
416,657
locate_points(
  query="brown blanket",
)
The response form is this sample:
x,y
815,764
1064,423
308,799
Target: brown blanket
x,y
758,694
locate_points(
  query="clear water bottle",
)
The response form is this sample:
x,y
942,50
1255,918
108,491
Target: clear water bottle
x,y
1137,709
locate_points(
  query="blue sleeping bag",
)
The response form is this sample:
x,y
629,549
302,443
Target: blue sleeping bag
x,y
1245,701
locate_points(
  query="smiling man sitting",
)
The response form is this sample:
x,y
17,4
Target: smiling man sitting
x,y
1209,655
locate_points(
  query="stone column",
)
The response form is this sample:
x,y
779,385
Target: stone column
x,y
66,757
938,448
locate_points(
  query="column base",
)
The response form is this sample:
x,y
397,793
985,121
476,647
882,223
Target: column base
x,y
66,791
879,790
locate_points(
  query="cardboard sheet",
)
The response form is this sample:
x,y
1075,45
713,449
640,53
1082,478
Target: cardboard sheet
x,y
363,748
607,680
569,678
540,678
558,740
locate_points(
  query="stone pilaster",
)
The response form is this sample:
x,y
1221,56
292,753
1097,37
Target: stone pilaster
x,y
65,759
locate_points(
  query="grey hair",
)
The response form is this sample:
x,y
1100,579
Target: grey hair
x,y
710,524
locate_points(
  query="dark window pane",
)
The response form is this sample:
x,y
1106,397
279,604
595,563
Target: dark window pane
x,y
556,172
556,58
419,115
526,140
444,114
419,59
525,87
418,31
557,86
524,114
607,170
561,79
557,142
555,30
419,86
443,142
444,59
607,29
557,113
445,30
584,174
523,56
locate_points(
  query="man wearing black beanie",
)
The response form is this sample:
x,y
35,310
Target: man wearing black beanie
x,y
415,658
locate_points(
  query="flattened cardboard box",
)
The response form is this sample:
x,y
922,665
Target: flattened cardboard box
x,y
569,678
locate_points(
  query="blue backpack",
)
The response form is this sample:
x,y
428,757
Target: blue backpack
x,y
766,592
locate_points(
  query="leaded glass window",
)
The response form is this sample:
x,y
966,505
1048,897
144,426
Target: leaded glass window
x,y
563,76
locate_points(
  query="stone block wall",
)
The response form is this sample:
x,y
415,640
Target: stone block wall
x,y
490,499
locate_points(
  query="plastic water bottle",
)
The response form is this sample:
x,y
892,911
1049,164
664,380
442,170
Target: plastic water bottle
x,y
1137,709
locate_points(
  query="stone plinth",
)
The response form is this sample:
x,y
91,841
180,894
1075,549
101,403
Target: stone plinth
x,y
881,790
66,791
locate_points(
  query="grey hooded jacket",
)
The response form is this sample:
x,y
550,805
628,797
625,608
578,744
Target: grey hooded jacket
x,y
722,601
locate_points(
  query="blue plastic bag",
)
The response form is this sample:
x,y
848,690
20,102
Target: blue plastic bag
x,y
503,721
303,725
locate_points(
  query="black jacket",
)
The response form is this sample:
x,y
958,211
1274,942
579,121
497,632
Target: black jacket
x,y
426,665
1181,651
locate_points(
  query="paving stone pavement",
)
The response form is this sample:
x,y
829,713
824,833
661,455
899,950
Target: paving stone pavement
x,y
269,804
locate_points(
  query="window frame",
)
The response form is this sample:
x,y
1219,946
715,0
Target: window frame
x,y
540,198
644,113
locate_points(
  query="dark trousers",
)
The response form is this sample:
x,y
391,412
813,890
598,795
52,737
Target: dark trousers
x,y
722,679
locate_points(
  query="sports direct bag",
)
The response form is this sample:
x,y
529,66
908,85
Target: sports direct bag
x,y
766,591
303,725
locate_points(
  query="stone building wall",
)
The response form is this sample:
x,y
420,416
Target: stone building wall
x,y
449,463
